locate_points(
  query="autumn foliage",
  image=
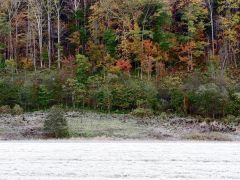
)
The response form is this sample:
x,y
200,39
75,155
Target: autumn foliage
x,y
104,53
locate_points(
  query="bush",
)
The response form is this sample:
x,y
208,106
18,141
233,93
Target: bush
x,y
207,100
210,100
83,67
17,110
233,107
55,124
141,112
104,98
44,97
176,103
232,120
9,93
27,96
126,95
5,109
171,83
2,64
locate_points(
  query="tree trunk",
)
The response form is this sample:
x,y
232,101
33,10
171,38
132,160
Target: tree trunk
x,y
49,35
210,5
59,39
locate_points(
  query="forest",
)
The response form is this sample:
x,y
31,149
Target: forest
x,y
140,56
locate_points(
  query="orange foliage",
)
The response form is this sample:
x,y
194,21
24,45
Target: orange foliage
x,y
122,65
147,58
69,67
26,63
185,54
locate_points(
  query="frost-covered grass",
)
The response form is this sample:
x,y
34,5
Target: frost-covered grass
x,y
119,160
116,126
94,127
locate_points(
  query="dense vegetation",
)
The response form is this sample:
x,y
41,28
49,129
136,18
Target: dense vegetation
x,y
145,56
56,124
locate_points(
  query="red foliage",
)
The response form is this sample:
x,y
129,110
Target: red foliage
x,y
124,65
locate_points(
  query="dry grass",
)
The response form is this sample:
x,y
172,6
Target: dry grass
x,y
211,136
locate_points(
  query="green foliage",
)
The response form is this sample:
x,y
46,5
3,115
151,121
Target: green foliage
x,y
110,40
104,97
233,107
9,93
162,20
142,112
11,65
4,27
2,61
27,95
79,17
210,100
232,120
55,124
206,100
83,35
2,64
177,97
75,91
125,95
171,83
83,68
45,54
43,98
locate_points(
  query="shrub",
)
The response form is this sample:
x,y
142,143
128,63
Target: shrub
x,y
2,63
10,94
17,110
11,65
104,98
83,67
210,100
171,83
27,96
55,124
43,97
142,112
230,119
176,103
207,100
5,109
110,40
126,95
233,107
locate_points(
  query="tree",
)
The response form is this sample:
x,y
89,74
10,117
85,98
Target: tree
x,y
11,8
83,68
229,21
37,11
48,6
55,124
11,66
192,38
210,5
58,4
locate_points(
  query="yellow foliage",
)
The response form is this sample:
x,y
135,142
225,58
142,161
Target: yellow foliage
x,y
26,63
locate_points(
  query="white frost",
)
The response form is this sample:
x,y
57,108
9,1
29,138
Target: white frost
x,y
119,160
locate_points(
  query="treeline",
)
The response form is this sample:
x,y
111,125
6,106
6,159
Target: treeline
x,y
121,55
148,36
